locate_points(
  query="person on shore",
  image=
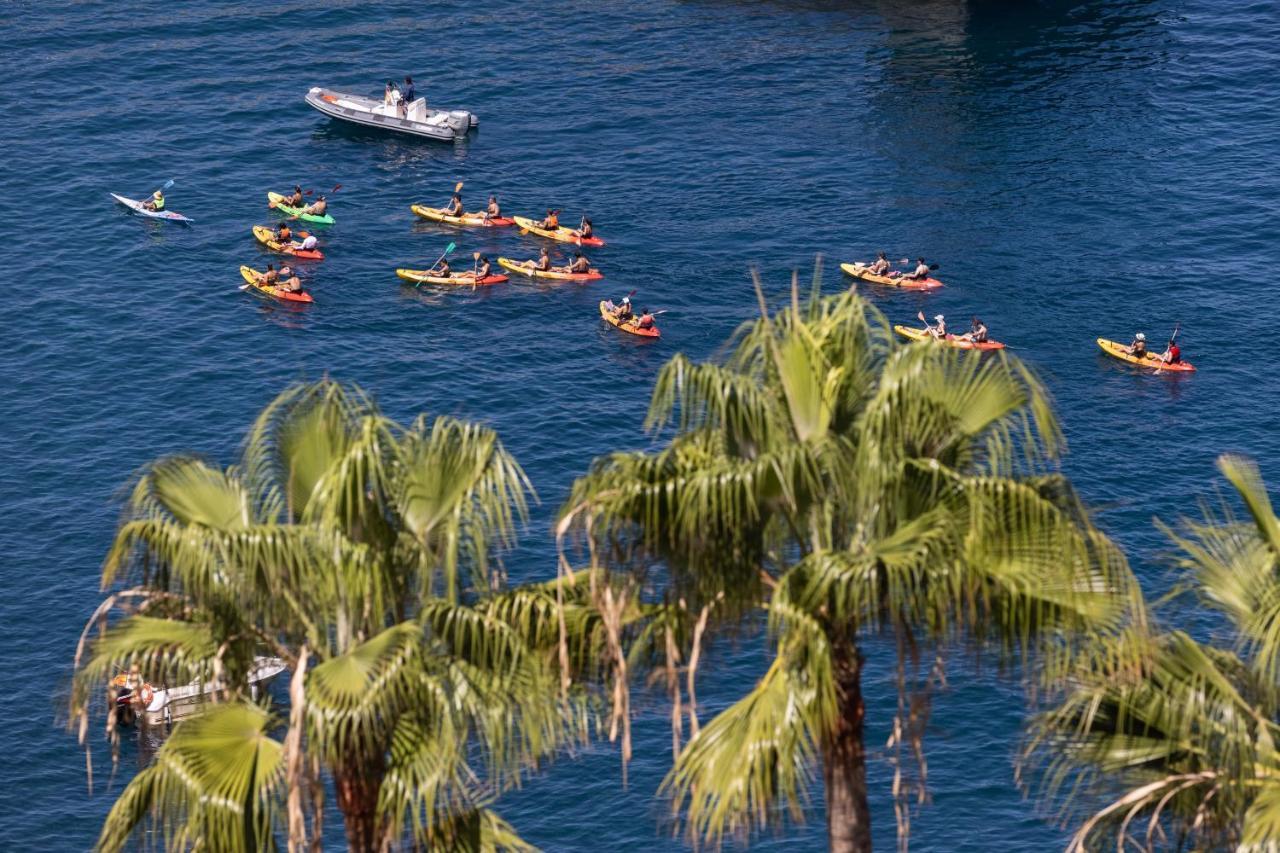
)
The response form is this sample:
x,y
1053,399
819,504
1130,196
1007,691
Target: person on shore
x,y
977,333
920,273
543,263
551,222
454,207
492,210
283,234
939,327
579,265
645,321
156,202
1138,346
584,229
880,266
294,199
317,209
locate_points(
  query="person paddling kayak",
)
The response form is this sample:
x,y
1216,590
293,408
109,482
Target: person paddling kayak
x,y
880,266
318,208
283,233
646,320
1172,353
492,210
454,207
156,202
580,264
623,311
551,222
483,268
270,277
543,263
977,333
584,229
294,199
308,243
1138,346
939,327
920,273
289,282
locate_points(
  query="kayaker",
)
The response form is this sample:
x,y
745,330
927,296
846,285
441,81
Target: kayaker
x,y
584,228
977,333
579,265
483,269
454,207
317,209
308,243
441,269
921,271
1172,353
295,199
551,222
543,263
270,277
492,210
939,327
623,312
289,282
283,234
1138,347
880,266
156,202
645,321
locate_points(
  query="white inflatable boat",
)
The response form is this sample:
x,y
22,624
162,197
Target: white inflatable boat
x,y
415,118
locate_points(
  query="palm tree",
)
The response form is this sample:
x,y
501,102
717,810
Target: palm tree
x,y
852,487
1183,731
361,553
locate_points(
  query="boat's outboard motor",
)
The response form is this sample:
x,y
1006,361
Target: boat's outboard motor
x,y
460,121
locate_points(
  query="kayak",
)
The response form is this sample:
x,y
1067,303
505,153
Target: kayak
x,y
949,340
136,207
275,200
435,214
1115,349
251,276
564,235
518,267
629,325
458,279
861,271
267,238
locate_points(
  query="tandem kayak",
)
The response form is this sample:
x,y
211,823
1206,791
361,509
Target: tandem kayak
x,y
564,235
861,271
251,276
1115,349
274,202
136,207
606,311
458,279
476,220
267,238
949,340
518,267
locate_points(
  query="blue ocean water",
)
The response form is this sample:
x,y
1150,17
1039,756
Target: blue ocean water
x,y
1079,169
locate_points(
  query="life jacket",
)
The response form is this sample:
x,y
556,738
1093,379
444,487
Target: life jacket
x,y
1175,354
157,202
553,222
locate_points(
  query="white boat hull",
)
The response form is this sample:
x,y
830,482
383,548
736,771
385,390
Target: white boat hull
x,y
169,705
418,120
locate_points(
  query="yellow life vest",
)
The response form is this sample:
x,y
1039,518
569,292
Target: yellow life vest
x,y
158,202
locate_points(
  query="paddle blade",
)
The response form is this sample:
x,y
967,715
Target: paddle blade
x,y
457,187
167,184
337,187
449,248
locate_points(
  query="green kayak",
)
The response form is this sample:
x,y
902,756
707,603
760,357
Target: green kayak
x,y
276,199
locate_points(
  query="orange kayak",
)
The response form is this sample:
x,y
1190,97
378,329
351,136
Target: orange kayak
x,y
518,267
1115,349
251,276
564,235
458,279
949,340
266,237
861,271
629,325
476,220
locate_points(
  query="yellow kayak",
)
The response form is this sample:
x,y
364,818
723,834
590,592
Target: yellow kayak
x,y
267,237
564,235
1115,349
251,276
629,325
518,267
861,271
949,340
436,214
458,279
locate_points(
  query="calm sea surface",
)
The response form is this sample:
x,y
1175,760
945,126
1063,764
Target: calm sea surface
x,y
1079,169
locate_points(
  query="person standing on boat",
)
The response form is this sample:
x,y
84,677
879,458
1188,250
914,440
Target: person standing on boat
x,y
407,96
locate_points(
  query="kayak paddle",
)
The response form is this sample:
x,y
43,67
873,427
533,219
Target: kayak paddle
x,y
447,249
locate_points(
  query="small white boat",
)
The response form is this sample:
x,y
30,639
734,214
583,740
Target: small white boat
x,y
165,705
444,125
136,207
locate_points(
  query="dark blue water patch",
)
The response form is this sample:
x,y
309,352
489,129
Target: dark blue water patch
x,y
1078,169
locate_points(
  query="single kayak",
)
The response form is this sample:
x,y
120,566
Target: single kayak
x,y
267,238
518,267
606,311
458,279
949,340
861,271
136,207
251,276
564,235
274,201
477,220
1115,349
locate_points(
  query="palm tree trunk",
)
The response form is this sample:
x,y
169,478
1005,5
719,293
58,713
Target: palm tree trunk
x,y
357,786
844,758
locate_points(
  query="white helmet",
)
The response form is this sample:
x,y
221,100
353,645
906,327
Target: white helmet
x,y
938,318
626,299
1140,336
